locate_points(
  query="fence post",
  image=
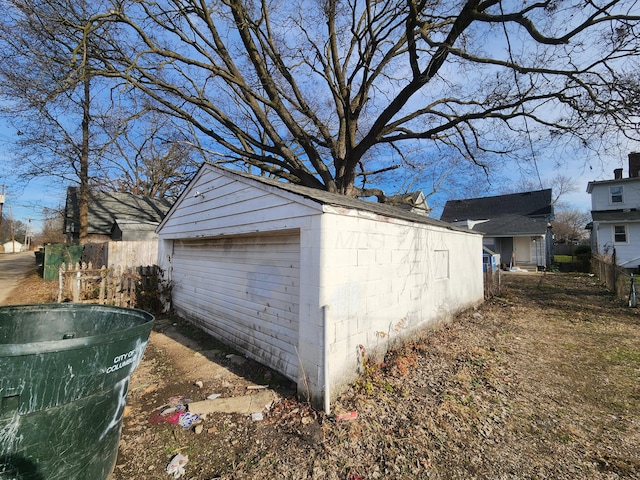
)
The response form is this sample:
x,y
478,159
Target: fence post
x,y
615,271
103,284
76,287
60,282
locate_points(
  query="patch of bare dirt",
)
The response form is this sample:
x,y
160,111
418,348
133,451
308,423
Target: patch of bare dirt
x,y
541,382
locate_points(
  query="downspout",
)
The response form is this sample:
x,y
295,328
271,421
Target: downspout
x,y
325,360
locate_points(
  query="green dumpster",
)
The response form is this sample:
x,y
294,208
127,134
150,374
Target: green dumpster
x,y
65,372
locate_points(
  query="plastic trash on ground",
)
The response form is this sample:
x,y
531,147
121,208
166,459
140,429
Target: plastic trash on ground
x,y
177,464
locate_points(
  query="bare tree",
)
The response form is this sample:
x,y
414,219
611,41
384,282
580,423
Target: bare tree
x,y
150,154
52,227
47,76
332,93
570,225
560,185
74,123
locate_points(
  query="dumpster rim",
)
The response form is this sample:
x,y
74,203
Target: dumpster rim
x,y
63,345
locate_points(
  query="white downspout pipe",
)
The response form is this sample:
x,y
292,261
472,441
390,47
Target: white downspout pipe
x,y
325,360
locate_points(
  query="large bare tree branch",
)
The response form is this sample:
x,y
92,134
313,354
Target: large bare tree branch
x,y
310,92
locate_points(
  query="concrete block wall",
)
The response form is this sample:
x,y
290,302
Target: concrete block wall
x,y
384,278
310,382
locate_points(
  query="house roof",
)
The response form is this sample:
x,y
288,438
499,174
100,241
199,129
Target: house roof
x,y
615,215
512,226
328,198
134,225
530,204
611,181
106,207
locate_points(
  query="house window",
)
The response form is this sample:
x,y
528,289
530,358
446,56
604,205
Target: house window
x,y
620,233
441,264
615,194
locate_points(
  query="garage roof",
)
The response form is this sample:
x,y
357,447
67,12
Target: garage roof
x,y
328,198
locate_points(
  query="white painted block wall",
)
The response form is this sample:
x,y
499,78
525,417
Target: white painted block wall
x,y
382,279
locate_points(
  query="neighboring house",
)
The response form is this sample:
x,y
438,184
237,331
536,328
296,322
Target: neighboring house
x,y
415,202
114,216
516,226
307,282
615,213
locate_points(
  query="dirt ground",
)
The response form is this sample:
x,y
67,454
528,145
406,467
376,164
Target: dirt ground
x,y
542,382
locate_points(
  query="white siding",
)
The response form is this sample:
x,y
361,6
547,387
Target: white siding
x,y
602,239
219,205
601,198
627,253
538,250
245,291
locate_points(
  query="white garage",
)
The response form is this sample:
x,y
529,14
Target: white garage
x,y
245,291
300,279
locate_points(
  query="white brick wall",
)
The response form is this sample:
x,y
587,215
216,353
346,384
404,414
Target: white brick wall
x,y
391,278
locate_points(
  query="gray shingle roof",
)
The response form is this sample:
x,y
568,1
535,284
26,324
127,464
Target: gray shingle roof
x,y
105,207
135,225
512,225
531,204
615,215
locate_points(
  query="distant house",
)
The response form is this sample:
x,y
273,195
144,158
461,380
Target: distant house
x,y
515,226
615,211
414,202
12,247
114,216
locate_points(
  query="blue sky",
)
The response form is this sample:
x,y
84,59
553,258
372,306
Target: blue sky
x,y
26,201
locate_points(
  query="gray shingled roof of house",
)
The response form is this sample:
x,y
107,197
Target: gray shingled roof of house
x,y
106,207
615,215
529,204
135,225
512,225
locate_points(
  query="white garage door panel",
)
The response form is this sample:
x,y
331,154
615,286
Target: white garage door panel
x,y
237,284
245,290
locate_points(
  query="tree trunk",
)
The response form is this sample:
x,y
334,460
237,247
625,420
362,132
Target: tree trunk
x,y
83,202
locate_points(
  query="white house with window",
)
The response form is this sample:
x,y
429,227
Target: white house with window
x,y
615,211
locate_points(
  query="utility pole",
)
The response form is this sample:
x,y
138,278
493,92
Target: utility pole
x,y
1,204
27,235
13,237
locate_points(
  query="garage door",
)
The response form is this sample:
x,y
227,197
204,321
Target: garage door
x,y
245,291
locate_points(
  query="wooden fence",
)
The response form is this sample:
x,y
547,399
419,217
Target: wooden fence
x,y
613,277
111,254
492,282
134,287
